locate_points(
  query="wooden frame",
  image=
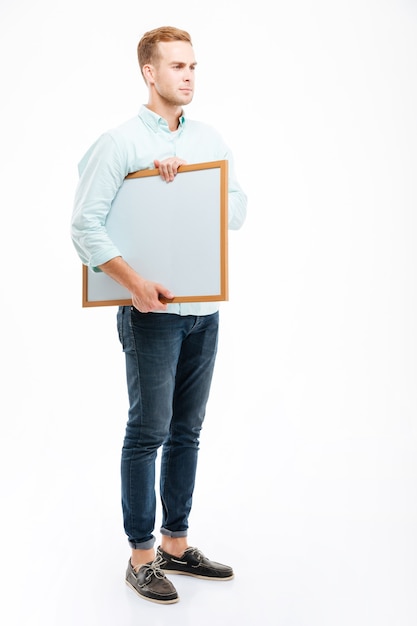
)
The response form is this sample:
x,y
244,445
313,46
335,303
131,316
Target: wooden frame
x,y
171,233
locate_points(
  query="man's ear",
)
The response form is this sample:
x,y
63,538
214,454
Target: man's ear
x,y
147,71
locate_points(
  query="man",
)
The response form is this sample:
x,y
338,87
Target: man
x,y
170,348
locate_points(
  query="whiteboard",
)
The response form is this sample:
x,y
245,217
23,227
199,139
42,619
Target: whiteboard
x,y
172,233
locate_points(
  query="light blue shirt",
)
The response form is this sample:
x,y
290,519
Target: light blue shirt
x,y
130,147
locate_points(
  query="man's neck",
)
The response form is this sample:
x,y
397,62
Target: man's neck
x,y
171,114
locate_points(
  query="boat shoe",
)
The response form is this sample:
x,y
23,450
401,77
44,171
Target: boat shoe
x,y
193,563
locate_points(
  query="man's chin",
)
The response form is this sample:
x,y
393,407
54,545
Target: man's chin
x,y
186,97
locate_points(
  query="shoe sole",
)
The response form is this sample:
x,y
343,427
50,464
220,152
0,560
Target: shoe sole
x,y
174,571
173,601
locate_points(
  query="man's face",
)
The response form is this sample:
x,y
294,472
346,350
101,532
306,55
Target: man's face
x,y
173,75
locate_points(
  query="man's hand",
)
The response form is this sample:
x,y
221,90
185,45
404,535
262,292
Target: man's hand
x,y
151,297
168,168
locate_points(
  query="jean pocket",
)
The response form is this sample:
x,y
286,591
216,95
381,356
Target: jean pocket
x,y
124,328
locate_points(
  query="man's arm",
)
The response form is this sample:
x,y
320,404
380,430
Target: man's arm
x,y
146,295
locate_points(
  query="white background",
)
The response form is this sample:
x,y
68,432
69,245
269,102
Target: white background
x,y
307,479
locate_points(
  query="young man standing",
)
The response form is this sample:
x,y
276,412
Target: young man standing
x,y
170,349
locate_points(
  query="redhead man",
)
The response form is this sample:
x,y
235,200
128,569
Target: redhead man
x,y
170,348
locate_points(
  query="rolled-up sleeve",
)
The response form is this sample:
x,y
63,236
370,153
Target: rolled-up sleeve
x,y
237,199
101,173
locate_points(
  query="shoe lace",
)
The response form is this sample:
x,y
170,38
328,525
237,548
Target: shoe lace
x,y
198,554
154,568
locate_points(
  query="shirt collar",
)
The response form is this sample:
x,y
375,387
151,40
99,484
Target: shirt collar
x,y
155,121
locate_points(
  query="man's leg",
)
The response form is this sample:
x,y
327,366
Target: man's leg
x,y
180,450
152,343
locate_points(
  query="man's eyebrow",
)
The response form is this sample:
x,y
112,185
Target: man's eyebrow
x,y
183,63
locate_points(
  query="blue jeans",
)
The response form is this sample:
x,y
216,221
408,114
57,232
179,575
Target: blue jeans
x,y
169,367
